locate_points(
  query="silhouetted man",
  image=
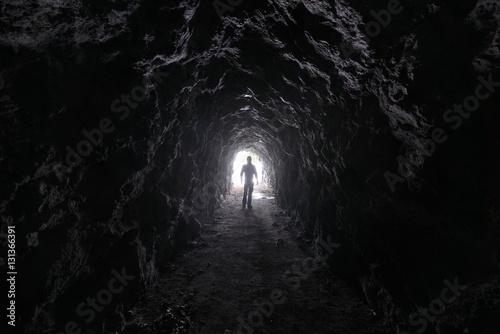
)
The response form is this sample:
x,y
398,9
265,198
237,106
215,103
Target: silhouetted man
x,y
249,171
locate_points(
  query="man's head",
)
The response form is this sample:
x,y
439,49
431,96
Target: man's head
x,y
249,159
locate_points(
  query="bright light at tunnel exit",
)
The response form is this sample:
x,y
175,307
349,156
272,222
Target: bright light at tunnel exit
x,y
239,161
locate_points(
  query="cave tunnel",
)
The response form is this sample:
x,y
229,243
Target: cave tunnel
x,y
374,126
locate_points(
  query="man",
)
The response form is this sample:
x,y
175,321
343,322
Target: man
x,y
249,171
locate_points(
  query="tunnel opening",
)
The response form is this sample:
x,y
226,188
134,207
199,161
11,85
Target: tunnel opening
x,y
263,185
357,141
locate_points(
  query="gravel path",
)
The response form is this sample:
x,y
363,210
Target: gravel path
x,y
239,278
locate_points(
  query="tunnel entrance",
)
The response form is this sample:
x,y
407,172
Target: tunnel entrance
x,y
263,186
240,160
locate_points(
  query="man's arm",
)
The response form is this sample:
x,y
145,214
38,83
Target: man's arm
x,y
241,174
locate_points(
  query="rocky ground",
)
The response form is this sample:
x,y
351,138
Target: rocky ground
x,y
243,265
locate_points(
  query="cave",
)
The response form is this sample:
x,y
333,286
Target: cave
x,y
125,125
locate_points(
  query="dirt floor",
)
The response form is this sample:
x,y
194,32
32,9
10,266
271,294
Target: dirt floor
x,y
239,278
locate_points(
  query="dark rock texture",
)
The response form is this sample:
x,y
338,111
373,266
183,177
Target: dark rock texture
x,y
153,99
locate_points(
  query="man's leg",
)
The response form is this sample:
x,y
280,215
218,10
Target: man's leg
x,y
250,191
245,190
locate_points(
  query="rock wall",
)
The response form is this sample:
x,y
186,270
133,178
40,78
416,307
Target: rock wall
x,y
376,119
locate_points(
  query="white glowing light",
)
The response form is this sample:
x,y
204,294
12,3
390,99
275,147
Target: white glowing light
x,y
239,161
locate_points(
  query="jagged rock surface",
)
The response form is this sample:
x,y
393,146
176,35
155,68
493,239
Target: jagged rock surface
x,y
269,76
